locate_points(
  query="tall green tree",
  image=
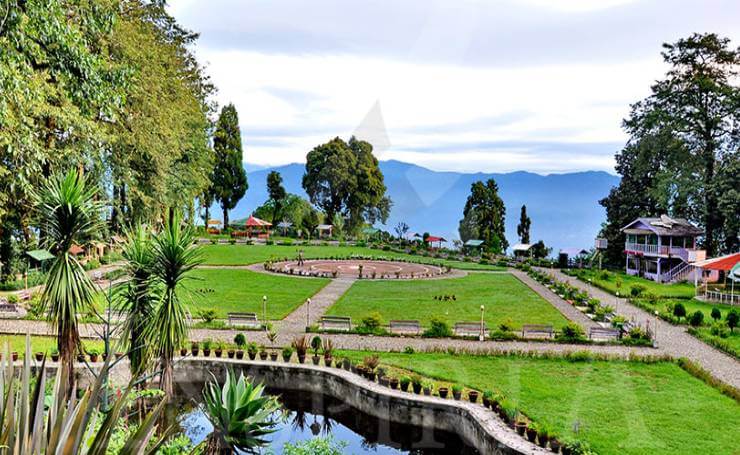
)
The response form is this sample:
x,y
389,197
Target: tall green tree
x,y
175,257
522,229
69,212
229,178
487,208
698,103
344,178
276,193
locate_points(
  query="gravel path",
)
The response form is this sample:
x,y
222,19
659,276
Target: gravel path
x,y
569,311
672,339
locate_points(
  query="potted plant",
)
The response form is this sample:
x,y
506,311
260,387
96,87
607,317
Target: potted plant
x,y
393,382
39,356
520,424
443,392
371,363
272,337
487,397
531,432
300,344
543,435
457,391
80,357
55,355
555,444
508,412
183,351
194,348
316,347
346,363
252,350
207,347
427,386
94,354
416,383
239,354
382,378
273,355
405,382
263,353
231,353
473,396
328,351
219,349
287,353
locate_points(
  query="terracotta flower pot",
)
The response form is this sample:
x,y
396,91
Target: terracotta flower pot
x,y
14,356
327,361
394,383
521,428
427,391
252,355
286,358
405,386
417,388
183,352
93,358
542,440
194,352
456,395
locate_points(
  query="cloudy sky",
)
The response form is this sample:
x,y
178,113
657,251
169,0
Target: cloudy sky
x,y
467,85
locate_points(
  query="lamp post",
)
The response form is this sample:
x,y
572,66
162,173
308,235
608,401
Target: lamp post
x,y
482,329
264,311
308,313
655,336
616,303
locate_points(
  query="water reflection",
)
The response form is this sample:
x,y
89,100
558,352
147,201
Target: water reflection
x,y
307,415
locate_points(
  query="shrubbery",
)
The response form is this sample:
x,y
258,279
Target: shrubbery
x,y
438,329
571,332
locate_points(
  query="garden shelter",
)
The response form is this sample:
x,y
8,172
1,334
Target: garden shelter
x,y
324,230
262,227
729,265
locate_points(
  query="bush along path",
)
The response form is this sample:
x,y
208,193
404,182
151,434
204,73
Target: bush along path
x,y
672,340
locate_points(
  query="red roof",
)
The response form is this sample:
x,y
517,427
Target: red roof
x,y
76,249
432,238
725,263
252,221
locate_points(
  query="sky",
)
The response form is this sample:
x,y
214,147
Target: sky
x,y
460,85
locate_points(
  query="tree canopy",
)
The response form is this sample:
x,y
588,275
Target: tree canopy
x,y
485,212
344,178
229,178
276,193
522,229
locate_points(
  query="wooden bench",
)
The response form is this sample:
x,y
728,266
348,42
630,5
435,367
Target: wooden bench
x,y
6,307
537,331
603,333
243,319
340,323
405,327
469,329
24,295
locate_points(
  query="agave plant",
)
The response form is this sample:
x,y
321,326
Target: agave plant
x,y
69,426
68,213
241,414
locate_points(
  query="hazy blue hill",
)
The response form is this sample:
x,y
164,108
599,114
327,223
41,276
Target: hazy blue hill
x,y
563,207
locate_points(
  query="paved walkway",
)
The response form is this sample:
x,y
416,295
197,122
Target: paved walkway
x,y
672,339
306,315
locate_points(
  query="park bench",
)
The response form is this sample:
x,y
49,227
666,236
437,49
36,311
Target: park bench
x,y
340,323
243,319
537,331
603,333
24,295
6,307
405,327
469,329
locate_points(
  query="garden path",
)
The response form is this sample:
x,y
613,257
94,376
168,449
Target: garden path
x,y
673,340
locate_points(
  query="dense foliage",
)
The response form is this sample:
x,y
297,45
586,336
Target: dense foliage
x,y
484,216
229,182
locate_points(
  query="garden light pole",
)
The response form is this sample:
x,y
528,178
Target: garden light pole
x,y
482,330
264,311
655,335
308,313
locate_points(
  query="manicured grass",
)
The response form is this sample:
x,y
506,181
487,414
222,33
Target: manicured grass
x,y
730,344
691,305
503,296
238,290
40,344
676,290
619,407
251,254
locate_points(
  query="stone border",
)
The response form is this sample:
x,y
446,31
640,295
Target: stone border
x,y
474,423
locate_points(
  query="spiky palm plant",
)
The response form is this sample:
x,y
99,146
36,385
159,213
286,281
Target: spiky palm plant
x,y
68,426
174,258
135,298
68,213
240,412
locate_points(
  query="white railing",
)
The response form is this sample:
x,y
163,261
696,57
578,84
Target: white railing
x,y
722,297
644,248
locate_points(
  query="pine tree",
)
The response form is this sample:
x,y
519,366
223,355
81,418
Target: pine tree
x,y
229,178
522,230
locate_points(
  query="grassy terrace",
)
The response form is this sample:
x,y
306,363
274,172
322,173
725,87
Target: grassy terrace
x,y
238,290
609,281
40,344
503,295
620,407
240,254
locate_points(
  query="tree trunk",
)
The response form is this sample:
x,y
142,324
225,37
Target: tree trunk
x,y
67,342
226,218
710,201
208,214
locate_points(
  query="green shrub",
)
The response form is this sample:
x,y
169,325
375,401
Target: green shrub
x,y
716,314
697,318
438,329
679,310
637,289
207,315
408,350
240,340
571,332
373,323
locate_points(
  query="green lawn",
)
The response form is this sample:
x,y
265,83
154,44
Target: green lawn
x,y
503,296
691,305
225,254
40,344
729,344
675,290
238,290
620,407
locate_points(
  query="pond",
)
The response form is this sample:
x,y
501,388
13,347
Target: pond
x,y
307,415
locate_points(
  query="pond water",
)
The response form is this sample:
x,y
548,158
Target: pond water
x,y
306,415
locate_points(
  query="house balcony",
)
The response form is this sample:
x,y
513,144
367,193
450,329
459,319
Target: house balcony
x,y
686,254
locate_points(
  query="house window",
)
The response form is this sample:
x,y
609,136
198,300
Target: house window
x,y
651,266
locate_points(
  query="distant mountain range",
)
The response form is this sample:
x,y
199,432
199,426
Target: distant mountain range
x,y
563,207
